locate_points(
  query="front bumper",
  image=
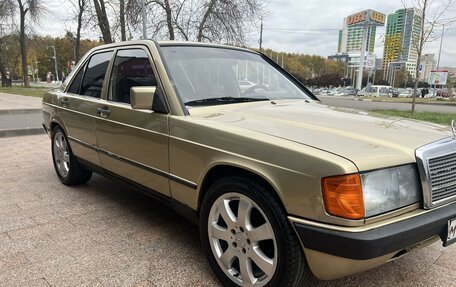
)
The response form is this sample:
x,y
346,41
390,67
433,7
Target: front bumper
x,y
373,243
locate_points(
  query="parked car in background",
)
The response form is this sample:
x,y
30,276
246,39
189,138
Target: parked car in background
x,y
442,93
378,91
348,92
406,93
394,93
279,184
361,93
333,91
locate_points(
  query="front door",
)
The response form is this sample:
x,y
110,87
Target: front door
x,y
133,144
78,106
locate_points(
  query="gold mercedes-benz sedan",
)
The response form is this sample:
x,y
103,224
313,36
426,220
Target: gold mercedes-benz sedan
x,y
280,185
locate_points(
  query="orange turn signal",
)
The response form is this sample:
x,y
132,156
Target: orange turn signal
x,y
343,196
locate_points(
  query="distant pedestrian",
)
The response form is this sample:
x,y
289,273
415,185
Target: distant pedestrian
x,y
423,92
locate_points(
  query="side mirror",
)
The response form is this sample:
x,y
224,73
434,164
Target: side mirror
x,y
142,97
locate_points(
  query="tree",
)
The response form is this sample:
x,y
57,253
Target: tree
x,y
81,8
123,36
34,9
451,85
6,11
102,20
205,20
167,18
433,15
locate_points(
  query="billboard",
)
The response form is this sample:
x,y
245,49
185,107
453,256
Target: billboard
x,y
366,17
438,78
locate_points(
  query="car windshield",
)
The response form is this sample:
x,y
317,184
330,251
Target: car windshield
x,y
210,76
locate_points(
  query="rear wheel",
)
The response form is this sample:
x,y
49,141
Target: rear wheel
x,y
69,171
247,238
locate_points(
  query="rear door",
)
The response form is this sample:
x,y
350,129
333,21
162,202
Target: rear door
x,y
133,143
78,105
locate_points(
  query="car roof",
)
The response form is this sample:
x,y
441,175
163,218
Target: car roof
x,y
172,43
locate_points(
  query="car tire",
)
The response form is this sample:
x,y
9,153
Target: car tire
x,y
68,169
262,244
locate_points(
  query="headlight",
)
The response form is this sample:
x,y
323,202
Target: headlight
x,y
388,189
357,196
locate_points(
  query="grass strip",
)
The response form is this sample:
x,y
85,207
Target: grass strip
x,y
444,101
31,92
433,117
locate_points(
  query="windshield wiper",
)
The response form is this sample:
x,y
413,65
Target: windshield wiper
x,y
223,101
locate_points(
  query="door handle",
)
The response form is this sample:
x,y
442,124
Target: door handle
x,y
64,101
104,111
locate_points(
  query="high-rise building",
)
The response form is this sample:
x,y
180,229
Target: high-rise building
x,y
357,43
403,32
351,38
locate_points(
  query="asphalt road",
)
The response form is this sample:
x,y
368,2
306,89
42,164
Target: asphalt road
x,y
356,103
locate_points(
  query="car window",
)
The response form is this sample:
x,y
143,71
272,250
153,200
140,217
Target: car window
x,y
95,74
76,84
131,68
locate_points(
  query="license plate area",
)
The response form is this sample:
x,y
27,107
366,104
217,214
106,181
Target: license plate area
x,y
451,234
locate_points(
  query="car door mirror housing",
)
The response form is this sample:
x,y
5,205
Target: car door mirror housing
x,y
142,97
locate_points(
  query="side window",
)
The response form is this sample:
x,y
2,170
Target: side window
x,y
76,84
95,74
131,69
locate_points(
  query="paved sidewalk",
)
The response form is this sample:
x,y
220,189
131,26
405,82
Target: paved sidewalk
x,y
104,234
10,102
20,115
99,234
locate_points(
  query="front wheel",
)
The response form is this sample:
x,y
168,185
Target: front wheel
x,y
68,169
247,238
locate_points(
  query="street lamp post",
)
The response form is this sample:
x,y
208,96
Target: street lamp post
x,y
359,82
440,50
55,62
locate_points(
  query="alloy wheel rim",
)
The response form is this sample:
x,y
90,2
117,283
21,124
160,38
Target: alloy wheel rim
x,y
242,240
61,154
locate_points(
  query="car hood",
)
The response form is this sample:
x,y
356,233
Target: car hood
x,y
370,142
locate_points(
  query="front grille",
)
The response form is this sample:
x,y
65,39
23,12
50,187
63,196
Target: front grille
x,y
442,173
437,165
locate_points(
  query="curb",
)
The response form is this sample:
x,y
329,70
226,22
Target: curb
x,y
21,132
20,111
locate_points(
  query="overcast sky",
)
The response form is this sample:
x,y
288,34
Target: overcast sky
x,y
291,15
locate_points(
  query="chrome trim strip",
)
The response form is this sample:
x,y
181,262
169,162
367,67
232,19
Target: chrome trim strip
x,y
453,128
423,154
135,163
183,181
82,143
156,171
